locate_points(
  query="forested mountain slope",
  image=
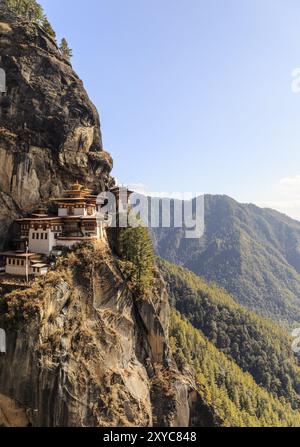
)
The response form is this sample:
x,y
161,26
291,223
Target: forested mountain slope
x,y
253,253
259,346
233,396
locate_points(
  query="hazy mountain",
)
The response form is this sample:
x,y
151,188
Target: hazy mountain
x,y
253,253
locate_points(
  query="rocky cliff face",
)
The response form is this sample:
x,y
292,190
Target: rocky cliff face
x,y
83,352
49,129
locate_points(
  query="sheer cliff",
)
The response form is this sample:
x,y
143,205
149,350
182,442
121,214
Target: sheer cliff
x,y
49,130
82,351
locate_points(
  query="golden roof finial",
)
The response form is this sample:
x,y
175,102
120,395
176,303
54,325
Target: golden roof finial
x,y
77,186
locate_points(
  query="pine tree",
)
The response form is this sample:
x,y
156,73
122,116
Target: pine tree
x,y
65,50
31,10
28,9
137,252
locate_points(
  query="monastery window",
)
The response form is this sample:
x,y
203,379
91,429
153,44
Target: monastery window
x,y
33,235
90,227
14,262
22,262
46,236
9,261
37,235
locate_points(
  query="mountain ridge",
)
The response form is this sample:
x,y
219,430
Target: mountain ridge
x,y
254,253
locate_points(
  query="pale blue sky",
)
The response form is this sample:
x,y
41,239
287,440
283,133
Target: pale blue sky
x,y
193,95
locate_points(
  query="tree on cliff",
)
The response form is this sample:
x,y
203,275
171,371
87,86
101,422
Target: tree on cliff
x,y
48,28
65,49
138,257
31,10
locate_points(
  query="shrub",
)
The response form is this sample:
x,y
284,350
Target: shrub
x,y
137,257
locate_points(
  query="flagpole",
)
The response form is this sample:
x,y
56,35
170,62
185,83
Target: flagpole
x,y
26,261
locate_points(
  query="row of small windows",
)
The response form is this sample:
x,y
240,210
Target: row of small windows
x,y
21,262
40,236
16,262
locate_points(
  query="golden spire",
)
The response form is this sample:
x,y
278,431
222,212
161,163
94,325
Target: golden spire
x,y
77,186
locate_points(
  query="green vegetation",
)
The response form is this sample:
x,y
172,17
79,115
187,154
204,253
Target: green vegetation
x,y
233,395
65,50
137,257
256,344
48,28
251,252
31,10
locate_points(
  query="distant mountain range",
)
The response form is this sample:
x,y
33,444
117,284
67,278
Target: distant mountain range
x,y
253,253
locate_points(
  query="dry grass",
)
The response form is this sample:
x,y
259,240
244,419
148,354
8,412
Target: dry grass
x,y
10,414
5,28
